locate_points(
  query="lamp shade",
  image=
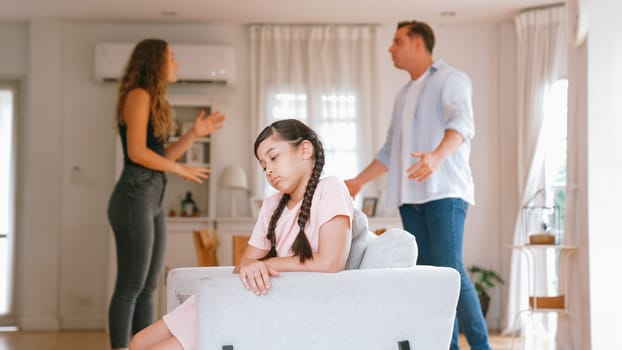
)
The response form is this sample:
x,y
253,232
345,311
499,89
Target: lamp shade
x,y
233,176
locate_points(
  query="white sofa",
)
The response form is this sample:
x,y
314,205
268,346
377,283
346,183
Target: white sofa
x,y
382,301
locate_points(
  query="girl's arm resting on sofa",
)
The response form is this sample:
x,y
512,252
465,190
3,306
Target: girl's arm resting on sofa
x,y
255,274
334,245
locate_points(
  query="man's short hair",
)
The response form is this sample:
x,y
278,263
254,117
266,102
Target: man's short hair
x,y
422,29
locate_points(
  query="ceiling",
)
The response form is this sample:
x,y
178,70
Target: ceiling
x,y
267,11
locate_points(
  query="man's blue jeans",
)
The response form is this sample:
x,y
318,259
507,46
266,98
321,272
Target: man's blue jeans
x,y
438,227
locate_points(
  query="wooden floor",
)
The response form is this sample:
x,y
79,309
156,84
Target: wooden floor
x,y
96,340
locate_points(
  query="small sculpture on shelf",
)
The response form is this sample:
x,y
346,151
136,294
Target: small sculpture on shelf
x,y
543,237
188,206
541,222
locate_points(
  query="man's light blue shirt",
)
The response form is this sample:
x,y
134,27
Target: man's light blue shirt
x,y
444,102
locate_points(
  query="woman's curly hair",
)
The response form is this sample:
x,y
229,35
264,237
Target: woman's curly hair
x,y
147,69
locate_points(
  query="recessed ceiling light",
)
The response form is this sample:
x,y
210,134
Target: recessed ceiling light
x,y
448,13
168,13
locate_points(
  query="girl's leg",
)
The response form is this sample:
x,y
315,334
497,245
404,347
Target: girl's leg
x,y
155,337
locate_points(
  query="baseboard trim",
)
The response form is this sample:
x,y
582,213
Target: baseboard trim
x,y
39,324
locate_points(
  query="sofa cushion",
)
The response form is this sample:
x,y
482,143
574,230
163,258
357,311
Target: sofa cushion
x,y
394,248
361,236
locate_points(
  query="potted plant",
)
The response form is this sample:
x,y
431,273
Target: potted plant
x,y
483,280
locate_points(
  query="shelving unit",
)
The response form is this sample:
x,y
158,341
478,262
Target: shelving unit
x,y
542,245
203,144
198,154
562,250
554,301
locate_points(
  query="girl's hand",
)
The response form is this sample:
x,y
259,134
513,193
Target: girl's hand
x,y
255,275
205,126
194,173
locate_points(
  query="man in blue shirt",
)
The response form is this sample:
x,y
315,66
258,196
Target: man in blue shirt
x,y
426,154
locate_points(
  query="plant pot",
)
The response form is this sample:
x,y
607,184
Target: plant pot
x,y
484,301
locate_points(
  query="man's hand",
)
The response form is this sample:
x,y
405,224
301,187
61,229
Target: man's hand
x,y
353,186
421,170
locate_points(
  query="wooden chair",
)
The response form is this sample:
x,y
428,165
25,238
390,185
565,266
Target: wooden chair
x,y
206,244
239,244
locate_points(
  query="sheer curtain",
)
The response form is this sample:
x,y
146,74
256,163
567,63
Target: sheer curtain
x,y
541,58
324,75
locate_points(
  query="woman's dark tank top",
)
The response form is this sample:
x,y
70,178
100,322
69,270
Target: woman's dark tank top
x,y
153,143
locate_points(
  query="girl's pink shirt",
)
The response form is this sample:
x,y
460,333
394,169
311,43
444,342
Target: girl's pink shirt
x,y
331,198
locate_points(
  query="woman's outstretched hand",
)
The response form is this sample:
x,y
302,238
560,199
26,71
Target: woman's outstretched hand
x,y
194,173
255,275
204,126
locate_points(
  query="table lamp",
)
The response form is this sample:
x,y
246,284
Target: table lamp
x,y
233,177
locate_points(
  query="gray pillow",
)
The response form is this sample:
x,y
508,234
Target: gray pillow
x,y
394,248
360,238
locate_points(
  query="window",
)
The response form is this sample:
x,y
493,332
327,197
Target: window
x,y
7,151
335,122
555,140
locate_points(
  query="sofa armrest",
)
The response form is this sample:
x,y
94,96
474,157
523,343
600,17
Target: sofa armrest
x,y
185,281
355,309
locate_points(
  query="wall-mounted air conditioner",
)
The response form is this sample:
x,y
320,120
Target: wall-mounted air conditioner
x,y
197,63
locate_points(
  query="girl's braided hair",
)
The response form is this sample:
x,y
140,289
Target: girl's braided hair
x,y
295,132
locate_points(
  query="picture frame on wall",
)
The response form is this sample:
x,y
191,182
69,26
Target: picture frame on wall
x,y
369,206
194,154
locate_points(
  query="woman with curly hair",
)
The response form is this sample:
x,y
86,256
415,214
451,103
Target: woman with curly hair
x,y
144,120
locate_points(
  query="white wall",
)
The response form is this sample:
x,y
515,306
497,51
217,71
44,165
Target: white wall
x,y
595,169
63,226
604,171
39,216
508,193
14,53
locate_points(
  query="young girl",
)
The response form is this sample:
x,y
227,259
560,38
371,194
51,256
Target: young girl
x,y
145,120
306,226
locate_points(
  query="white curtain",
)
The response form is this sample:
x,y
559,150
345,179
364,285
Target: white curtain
x,y
541,58
319,67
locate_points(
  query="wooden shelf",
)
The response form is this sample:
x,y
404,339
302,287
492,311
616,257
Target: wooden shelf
x,y
544,246
557,302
